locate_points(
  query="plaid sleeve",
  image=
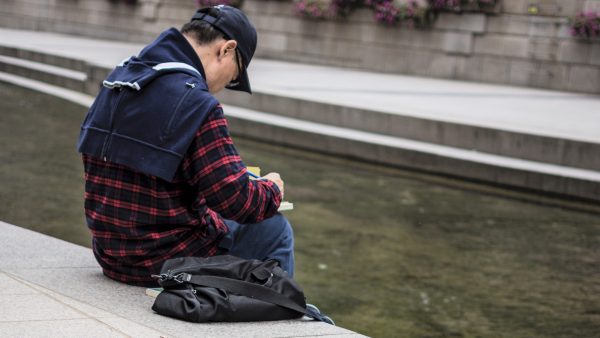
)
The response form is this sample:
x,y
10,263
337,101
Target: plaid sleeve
x,y
213,166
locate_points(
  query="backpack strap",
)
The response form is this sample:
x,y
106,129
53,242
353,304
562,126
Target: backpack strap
x,y
137,80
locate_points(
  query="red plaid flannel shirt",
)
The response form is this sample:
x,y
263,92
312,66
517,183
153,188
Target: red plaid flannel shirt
x,y
138,221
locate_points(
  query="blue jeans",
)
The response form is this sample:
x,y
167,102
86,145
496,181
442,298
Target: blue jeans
x,y
272,238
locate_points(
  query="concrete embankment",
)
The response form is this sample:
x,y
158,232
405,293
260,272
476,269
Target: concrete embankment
x,y
52,288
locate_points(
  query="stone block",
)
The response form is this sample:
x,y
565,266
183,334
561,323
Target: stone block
x,y
508,24
474,23
573,51
570,7
16,22
502,45
564,31
343,49
419,61
311,46
556,7
94,5
544,26
595,54
362,15
10,6
252,7
276,23
171,14
425,39
543,49
96,18
274,41
44,10
285,24
550,75
343,30
395,59
384,58
591,5
149,9
515,6
410,38
168,12
368,32
316,28
495,70
260,22
294,43
584,79
398,37
442,66
521,72
459,43
273,7
469,68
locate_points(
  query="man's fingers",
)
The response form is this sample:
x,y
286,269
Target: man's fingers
x,y
276,179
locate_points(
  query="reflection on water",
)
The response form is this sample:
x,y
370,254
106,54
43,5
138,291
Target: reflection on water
x,y
384,254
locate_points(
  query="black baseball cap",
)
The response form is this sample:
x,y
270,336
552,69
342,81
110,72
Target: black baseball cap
x,y
234,24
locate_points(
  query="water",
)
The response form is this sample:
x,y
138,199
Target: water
x,y
385,252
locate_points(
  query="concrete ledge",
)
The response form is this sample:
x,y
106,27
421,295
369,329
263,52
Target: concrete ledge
x,y
503,142
43,72
416,155
43,57
56,289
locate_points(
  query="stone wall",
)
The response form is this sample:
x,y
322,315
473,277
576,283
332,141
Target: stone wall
x,y
507,47
104,19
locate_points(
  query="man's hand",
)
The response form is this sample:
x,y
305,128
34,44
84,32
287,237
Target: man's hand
x,y
276,179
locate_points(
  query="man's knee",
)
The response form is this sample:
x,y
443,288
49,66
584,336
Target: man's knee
x,y
278,224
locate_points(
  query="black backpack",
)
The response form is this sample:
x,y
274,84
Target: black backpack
x,y
230,289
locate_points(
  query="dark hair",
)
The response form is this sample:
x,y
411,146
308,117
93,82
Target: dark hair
x,y
201,31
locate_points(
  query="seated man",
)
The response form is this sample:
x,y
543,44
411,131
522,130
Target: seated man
x,y
163,178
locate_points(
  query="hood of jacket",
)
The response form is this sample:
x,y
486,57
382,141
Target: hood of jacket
x,y
149,108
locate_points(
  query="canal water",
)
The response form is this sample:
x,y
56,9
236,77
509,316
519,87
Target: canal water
x,y
385,252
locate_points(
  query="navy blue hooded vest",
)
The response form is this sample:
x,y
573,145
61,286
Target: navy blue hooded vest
x,y
149,109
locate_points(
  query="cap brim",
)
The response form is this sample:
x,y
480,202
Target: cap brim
x,y
243,83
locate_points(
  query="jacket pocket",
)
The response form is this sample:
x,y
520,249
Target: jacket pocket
x,y
168,130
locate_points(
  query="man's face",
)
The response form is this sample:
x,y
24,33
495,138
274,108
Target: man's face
x,y
225,69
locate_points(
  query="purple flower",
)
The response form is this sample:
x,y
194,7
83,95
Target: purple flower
x,y
316,9
585,24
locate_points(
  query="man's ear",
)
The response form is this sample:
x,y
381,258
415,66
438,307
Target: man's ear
x,y
228,47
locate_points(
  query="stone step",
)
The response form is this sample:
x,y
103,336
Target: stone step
x,y
66,94
46,58
385,149
562,151
55,69
407,153
63,77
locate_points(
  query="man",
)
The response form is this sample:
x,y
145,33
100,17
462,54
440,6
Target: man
x,y
163,178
